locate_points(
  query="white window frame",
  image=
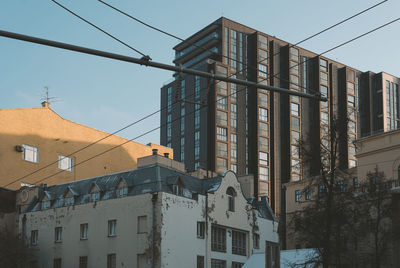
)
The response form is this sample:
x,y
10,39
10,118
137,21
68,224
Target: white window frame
x,y
30,153
65,162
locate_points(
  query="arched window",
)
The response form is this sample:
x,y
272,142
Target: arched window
x,y
231,198
398,172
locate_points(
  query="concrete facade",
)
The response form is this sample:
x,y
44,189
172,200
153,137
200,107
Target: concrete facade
x,y
53,137
156,219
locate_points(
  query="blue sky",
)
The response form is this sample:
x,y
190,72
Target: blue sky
x,y
107,94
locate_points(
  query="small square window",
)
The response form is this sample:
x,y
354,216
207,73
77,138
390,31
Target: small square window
x,y
65,162
112,227
30,153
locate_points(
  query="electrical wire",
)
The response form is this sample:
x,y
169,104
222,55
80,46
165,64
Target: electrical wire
x,y
192,94
98,28
245,64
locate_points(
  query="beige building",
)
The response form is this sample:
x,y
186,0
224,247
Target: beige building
x,y
35,139
155,216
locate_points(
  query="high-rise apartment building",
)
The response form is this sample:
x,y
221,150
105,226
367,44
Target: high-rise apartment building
x,y
249,130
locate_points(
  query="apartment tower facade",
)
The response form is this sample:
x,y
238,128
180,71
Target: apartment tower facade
x,y
223,126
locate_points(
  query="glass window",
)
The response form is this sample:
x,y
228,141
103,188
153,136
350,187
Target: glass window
x,y
294,109
233,92
222,165
112,261
58,234
239,245
294,81
324,78
294,67
263,158
57,263
262,70
263,114
222,118
30,153
295,151
222,149
295,123
34,237
263,42
169,99
295,165
324,91
222,103
201,226
323,65
263,173
294,54
295,137
307,193
46,204
84,231
351,126
263,129
234,168
83,261
324,118
263,144
350,88
197,116
222,87
112,227
262,99
351,101
262,56
298,195
222,134
122,191
95,196
197,145
218,238
182,149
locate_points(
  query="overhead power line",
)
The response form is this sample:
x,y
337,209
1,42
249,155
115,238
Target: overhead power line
x,y
201,107
246,66
100,29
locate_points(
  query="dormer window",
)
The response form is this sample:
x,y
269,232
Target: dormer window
x,y
121,192
231,193
46,204
122,188
68,201
95,196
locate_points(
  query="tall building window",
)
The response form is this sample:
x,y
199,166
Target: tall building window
x,y
169,131
196,87
200,261
263,173
294,54
263,114
183,121
233,50
233,117
222,118
222,149
201,226
262,99
182,149
222,165
222,134
216,263
222,88
218,238
239,243
294,109
233,92
323,65
262,42
222,102
197,145
263,129
30,153
262,70
169,99
263,158
226,43
263,144
197,116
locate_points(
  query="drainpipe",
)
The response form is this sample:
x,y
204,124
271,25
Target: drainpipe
x,y
153,244
24,228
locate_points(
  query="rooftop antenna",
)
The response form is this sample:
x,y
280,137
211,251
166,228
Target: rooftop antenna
x,y
46,99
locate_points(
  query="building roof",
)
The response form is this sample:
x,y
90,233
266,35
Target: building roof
x,y
146,179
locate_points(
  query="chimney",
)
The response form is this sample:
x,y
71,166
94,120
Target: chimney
x,y
45,104
166,155
155,151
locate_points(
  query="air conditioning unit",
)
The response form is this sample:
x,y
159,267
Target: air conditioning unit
x,y
19,148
